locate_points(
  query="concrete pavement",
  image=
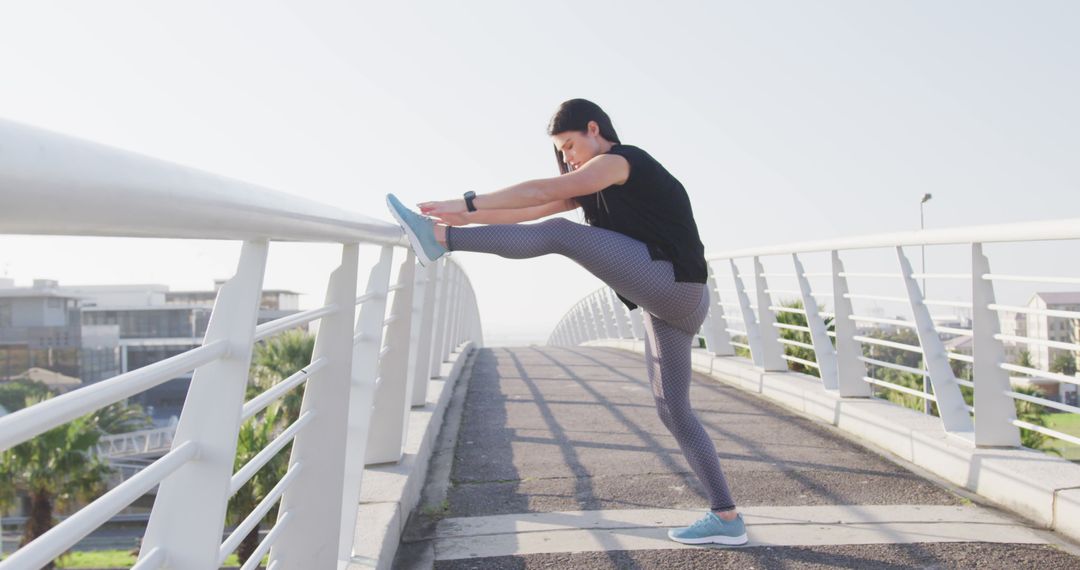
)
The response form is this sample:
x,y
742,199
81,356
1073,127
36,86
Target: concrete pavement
x,y
556,458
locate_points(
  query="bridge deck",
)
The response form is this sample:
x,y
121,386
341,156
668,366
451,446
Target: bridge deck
x,y
556,458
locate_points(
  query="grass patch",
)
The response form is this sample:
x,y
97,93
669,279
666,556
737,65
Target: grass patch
x,y
1065,423
1068,423
112,559
436,511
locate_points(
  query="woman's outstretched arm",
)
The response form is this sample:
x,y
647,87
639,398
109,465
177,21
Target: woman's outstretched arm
x,y
595,175
507,215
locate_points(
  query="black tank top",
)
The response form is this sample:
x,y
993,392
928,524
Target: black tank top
x,y
651,207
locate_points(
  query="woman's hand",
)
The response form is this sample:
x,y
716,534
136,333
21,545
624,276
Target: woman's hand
x,y
454,219
440,208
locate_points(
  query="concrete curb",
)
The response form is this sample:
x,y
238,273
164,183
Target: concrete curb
x,y
389,492
1034,485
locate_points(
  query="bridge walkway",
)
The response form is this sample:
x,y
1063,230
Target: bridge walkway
x,y
554,457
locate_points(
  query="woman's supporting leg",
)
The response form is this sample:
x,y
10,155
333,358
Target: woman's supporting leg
x,y
667,357
620,261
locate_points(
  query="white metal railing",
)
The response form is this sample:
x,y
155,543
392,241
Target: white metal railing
x,y
838,354
142,442
367,371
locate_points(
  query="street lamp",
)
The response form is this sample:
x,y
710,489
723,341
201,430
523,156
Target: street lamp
x,y
926,385
925,199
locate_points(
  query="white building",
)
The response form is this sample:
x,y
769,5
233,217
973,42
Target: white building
x,y
1051,328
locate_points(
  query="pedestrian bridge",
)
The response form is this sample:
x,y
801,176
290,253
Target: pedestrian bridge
x,y
417,446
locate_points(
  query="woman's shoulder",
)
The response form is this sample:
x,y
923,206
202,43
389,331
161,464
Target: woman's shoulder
x,y
632,154
627,149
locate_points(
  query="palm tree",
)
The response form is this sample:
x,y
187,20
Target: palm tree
x,y
272,362
1031,413
255,434
799,319
121,417
56,468
277,359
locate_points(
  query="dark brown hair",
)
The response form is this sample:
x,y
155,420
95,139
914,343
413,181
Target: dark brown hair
x,y
574,115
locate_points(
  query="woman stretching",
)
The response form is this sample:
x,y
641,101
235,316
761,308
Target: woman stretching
x,y
641,240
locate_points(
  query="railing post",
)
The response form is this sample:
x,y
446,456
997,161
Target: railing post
x,y
367,342
717,339
637,324
456,316
423,331
314,501
757,353
994,409
607,312
849,369
462,318
595,317
824,352
189,511
950,402
390,418
452,314
622,322
770,337
442,309
580,333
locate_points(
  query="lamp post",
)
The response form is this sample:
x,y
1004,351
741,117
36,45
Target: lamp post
x,y
925,199
926,385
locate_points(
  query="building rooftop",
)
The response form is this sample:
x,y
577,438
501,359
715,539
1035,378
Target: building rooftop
x,y
29,292
1060,297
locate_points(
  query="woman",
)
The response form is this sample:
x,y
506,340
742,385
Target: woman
x,y
641,240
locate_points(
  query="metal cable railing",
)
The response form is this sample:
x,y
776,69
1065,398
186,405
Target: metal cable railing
x,y
963,374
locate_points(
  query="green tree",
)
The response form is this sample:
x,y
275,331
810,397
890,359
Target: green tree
x,y
273,361
899,356
1031,413
55,469
121,417
255,434
799,320
1024,360
1064,363
277,359
13,394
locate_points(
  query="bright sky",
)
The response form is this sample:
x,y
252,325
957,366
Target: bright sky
x,y
784,120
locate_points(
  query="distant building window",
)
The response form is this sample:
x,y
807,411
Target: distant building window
x,y
5,314
53,303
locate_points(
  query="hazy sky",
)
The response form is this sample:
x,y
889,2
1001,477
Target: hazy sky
x,y
784,120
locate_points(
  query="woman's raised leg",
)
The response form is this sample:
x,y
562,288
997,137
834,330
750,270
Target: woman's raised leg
x,y
620,261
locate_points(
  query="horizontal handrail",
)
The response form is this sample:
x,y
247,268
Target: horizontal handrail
x,y
267,542
267,453
26,423
257,514
1039,373
64,535
1027,279
992,233
271,328
1036,311
256,404
899,388
54,184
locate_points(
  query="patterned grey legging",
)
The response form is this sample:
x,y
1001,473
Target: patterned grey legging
x,y
672,312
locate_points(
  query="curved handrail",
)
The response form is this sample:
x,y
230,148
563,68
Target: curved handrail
x,y
59,185
1021,231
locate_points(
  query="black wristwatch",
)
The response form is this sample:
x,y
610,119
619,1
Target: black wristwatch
x,y
468,200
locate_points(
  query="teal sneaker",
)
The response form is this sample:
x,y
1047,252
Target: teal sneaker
x,y
712,529
420,229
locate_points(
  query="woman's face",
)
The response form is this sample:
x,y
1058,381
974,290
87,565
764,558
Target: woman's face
x,y
579,147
